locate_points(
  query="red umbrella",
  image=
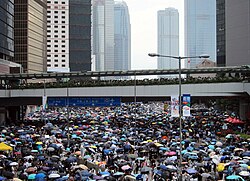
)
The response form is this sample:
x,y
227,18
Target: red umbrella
x,y
237,121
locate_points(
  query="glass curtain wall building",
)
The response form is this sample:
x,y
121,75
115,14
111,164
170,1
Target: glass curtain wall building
x,y
7,29
220,33
103,34
122,30
80,35
30,34
168,37
200,30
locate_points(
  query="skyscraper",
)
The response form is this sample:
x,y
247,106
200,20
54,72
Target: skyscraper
x,y
103,34
220,33
200,29
122,37
30,34
7,29
168,37
237,30
69,35
80,35
58,36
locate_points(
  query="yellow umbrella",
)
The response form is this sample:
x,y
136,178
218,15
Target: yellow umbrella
x,y
220,167
92,146
158,144
149,141
39,143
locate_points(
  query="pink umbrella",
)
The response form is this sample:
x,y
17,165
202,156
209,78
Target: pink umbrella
x,y
126,167
170,153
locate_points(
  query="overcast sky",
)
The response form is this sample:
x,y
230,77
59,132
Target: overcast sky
x,y
143,19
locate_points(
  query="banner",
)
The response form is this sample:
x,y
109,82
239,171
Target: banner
x,y
44,102
174,106
186,105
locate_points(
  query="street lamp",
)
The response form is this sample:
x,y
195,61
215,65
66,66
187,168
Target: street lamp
x,y
180,121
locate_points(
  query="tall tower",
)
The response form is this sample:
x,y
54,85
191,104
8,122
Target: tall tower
x,y
122,30
7,30
200,30
58,36
80,35
237,30
30,34
103,34
168,37
220,33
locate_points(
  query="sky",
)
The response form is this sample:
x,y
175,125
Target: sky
x,y
143,19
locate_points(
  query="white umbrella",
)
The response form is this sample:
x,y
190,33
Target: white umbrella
x,y
244,173
51,149
13,164
54,175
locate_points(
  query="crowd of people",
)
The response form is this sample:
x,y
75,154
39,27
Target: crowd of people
x,y
130,142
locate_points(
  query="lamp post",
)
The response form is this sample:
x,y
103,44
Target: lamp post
x,y
179,58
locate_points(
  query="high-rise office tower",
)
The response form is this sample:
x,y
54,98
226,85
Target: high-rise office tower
x,y
122,31
7,29
6,35
30,34
69,35
103,34
233,35
58,35
80,35
220,33
168,37
200,30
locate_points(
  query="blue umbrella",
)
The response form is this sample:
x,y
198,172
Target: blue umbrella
x,y
158,172
191,170
163,167
2,178
40,175
234,177
31,176
211,147
105,173
247,153
85,173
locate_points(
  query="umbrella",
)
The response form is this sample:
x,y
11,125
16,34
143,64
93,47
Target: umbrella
x,y
104,174
84,167
206,175
145,169
234,177
30,170
171,167
71,159
118,174
244,173
3,178
163,167
247,153
126,167
218,143
50,149
54,175
13,164
191,170
31,176
40,175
